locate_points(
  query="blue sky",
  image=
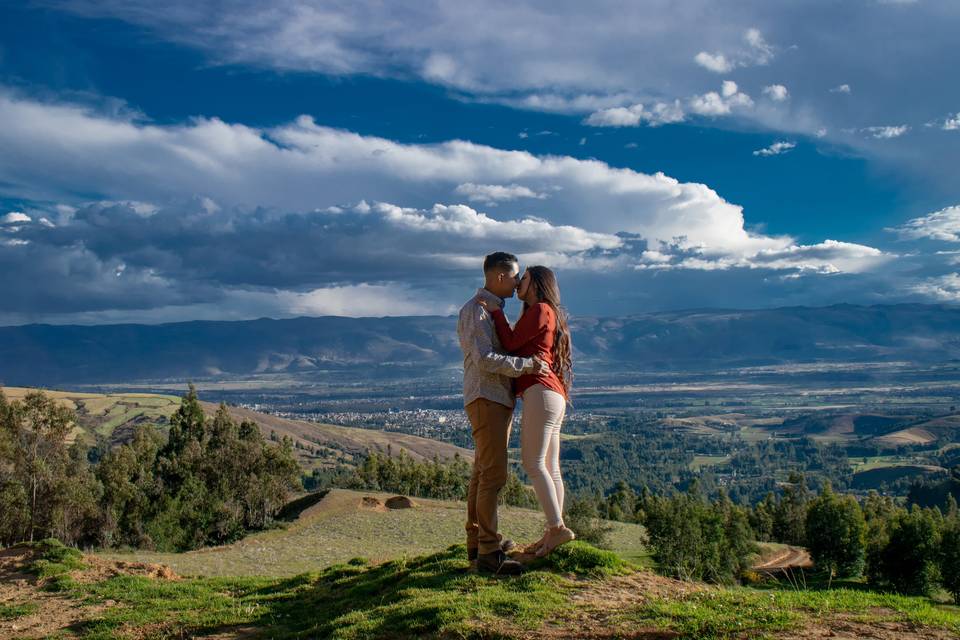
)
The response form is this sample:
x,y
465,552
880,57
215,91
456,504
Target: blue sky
x,y
185,160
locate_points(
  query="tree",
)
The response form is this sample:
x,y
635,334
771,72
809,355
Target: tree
x,y
696,540
762,517
949,559
835,534
621,504
879,512
790,517
46,488
908,562
131,489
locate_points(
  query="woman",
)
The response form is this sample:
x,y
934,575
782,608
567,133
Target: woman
x,y
542,332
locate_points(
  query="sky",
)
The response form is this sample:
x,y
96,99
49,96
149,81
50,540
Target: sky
x,y
183,160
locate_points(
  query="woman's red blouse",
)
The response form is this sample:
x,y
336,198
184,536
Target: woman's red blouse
x,y
533,336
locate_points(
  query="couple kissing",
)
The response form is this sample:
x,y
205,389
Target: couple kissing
x,y
530,361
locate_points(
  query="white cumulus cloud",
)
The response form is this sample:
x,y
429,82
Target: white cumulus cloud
x,y
886,132
775,149
721,104
756,52
493,193
633,116
716,62
940,225
776,92
14,217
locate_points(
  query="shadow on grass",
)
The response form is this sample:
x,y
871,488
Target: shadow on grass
x,y
401,598
292,510
426,596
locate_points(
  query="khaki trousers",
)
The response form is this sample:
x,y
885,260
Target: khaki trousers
x,y
491,422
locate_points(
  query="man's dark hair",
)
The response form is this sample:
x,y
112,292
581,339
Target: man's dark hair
x,y
500,260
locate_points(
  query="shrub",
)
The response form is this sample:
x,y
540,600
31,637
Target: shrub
x,y
583,518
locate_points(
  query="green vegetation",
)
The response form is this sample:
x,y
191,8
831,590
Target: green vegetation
x,y
52,563
697,540
209,483
583,559
17,610
835,534
430,595
754,613
338,529
435,596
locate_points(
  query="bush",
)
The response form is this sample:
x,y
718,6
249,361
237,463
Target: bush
x,y
583,518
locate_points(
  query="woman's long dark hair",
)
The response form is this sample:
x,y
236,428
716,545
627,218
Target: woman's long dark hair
x,y
545,284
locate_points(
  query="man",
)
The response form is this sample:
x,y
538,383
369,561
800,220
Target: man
x,y
488,398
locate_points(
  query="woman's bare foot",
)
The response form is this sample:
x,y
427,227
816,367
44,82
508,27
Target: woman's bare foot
x,y
555,537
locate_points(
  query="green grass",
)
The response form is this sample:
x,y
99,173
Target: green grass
x,y
53,562
583,559
428,596
336,531
435,596
18,610
699,462
880,462
722,613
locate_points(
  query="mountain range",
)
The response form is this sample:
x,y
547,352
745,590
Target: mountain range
x,y
39,354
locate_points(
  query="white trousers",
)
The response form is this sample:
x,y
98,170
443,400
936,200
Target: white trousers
x,y
543,411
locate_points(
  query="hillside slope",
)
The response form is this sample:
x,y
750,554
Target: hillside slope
x,y
577,592
114,416
340,527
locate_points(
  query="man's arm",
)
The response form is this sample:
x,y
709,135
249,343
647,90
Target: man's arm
x,y
488,359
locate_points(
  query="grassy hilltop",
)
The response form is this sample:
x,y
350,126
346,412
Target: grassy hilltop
x,y
348,572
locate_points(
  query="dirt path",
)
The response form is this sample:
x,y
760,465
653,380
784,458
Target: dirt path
x,y
789,558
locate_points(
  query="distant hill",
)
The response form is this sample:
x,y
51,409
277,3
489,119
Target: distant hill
x,y
683,340
114,416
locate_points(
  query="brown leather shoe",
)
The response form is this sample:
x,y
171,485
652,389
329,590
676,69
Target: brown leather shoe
x,y
498,564
506,545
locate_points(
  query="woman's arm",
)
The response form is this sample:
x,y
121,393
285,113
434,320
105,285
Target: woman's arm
x,y
531,326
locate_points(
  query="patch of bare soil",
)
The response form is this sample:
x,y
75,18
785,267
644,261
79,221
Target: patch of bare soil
x,y
849,627
598,605
371,504
55,612
99,569
400,502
